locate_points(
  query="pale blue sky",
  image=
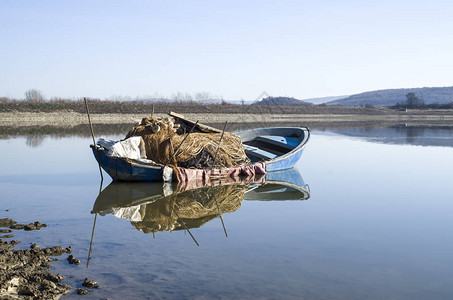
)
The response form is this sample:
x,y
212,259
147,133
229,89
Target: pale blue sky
x,y
233,49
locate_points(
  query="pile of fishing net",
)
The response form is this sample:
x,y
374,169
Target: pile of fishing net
x,y
190,209
169,143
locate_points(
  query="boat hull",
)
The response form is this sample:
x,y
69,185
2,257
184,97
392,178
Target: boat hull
x,y
291,139
123,170
294,139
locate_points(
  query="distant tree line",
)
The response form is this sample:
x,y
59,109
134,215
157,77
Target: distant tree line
x,y
35,102
391,97
412,101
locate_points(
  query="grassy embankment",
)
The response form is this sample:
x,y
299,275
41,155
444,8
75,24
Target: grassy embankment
x,y
70,116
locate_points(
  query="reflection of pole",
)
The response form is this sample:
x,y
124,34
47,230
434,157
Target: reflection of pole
x,y
94,225
91,242
221,219
92,133
183,223
213,164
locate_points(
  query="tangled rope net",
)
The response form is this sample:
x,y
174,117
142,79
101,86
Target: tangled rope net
x,y
166,143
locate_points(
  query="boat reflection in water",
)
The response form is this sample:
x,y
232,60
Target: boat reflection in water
x,y
153,207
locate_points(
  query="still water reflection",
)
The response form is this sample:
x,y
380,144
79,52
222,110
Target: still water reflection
x,y
377,224
153,207
402,134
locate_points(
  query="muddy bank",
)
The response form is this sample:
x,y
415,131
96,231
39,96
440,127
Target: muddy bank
x,y
25,274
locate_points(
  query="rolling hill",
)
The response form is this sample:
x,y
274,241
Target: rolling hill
x,y
440,95
282,101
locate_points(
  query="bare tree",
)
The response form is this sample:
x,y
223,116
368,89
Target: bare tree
x,y
34,96
202,96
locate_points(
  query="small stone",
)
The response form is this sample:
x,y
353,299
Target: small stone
x,y
6,236
17,226
34,246
55,278
5,231
38,225
29,227
72,260
45,264
82,291
26,291
68,249
91,284
47,284
5,222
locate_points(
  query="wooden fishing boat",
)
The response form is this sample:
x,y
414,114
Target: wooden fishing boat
x,y
279,147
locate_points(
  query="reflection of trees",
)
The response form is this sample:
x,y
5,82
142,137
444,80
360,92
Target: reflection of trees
x,y
413,132
34,141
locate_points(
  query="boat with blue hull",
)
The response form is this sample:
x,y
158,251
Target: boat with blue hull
x,y
279,147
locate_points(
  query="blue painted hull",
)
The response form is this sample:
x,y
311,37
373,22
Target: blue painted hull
x,y
286,163
293,139
126,170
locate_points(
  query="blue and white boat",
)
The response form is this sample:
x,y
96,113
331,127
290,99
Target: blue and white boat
x,y
279,147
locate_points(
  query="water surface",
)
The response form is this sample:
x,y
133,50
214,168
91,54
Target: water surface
x,y
377,225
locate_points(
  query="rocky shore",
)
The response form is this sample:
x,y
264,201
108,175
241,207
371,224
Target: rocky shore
x,y
25,274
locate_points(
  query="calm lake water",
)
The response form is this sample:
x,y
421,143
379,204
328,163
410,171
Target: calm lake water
x,y
377,224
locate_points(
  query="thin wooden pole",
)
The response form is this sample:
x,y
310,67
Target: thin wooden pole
x,y
213,164
218,146
89,121
183,140
177,148
172,150
92,135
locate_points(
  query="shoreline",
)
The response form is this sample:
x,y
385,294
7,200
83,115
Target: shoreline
x,y
27,273
65,118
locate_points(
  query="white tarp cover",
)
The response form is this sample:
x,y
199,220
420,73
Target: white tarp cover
x,y
129,148
107,144
133,148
